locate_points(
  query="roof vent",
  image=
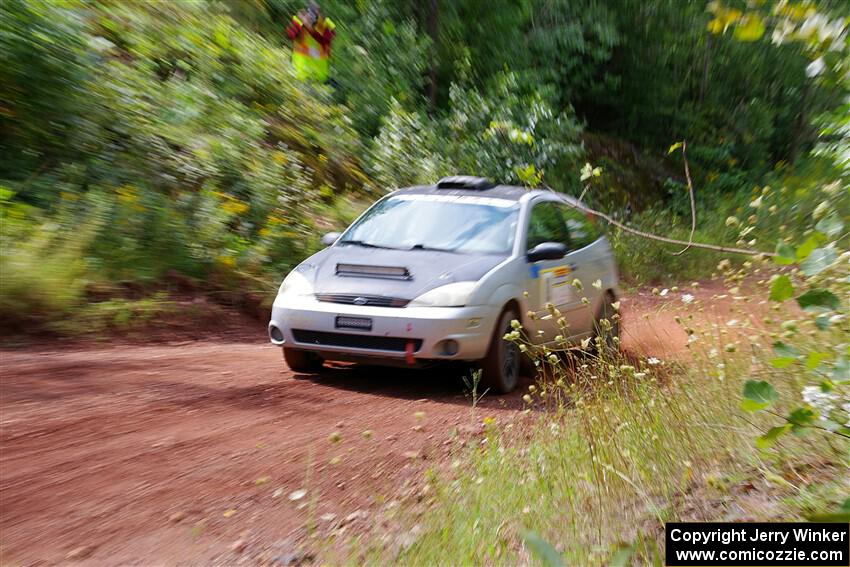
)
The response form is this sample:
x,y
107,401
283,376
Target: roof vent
x,y
465,182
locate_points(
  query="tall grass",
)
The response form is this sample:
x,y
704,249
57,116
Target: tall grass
x,y
611,447
788,195
40,279
603,469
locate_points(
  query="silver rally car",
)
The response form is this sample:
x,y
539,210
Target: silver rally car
x,y
437,273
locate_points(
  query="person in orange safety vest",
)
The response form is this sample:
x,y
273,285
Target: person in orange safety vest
x,y
311,34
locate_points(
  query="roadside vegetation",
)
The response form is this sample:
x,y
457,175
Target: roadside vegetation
x,y
148,139
149,146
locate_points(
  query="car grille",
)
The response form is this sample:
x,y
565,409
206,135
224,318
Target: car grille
x,y
396,344
354,299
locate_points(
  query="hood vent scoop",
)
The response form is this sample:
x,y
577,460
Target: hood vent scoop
x,y
379,272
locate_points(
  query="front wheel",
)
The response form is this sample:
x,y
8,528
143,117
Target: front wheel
x,y
502,363
301,360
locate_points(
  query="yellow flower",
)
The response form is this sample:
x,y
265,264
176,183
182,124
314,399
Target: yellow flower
x,y
228,261
127,194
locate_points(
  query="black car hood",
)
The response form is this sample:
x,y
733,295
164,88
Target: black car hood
x,y
403,274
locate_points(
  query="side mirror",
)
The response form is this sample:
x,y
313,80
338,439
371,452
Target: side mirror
x,y
547,251
330,238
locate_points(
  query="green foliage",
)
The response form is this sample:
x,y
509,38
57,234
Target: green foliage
x,y
819,299
43,60
542,550
41,281
784,203
405,152
168,136
511,133
175,137
569,46
381,58
817,261
781,289
758,395
605,432
813,350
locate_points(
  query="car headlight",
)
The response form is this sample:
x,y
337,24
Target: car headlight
x,y
450,295
295,284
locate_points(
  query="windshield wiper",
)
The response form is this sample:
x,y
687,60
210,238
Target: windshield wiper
x,y
432,248
364,244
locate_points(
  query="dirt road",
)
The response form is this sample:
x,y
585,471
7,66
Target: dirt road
x,y
201,451
178,452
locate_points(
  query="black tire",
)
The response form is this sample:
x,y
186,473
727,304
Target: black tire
x,y
607,311
301,360
501,366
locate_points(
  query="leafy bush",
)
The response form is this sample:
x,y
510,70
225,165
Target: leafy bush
x,y
512,134
810,347
155,139
752,217
405,152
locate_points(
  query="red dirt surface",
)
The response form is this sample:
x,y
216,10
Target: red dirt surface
x,y
189,452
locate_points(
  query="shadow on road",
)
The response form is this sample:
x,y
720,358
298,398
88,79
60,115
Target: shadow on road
x,y
442,383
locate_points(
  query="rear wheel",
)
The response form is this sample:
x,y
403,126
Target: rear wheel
x,y
302,360
502,363
606,326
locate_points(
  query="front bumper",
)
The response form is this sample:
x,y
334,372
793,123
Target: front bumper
x,y
421,332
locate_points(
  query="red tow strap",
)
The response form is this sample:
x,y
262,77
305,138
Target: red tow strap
x,y
408,353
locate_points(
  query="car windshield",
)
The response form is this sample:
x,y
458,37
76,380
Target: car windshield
x,y
466,225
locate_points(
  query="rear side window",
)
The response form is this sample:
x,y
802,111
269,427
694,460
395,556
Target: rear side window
x,y
583,230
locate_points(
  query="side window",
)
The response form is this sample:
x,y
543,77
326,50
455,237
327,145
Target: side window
x,y
583,230
546,225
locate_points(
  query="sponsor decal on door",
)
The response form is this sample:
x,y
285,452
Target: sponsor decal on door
x,y
555,285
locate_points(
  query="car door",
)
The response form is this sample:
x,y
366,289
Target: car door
x,y
583,260
547,281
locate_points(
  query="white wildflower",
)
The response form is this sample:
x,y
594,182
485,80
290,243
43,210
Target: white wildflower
x,y
832,188
664,292
652,361
756,203
687,298
815,68
822,401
